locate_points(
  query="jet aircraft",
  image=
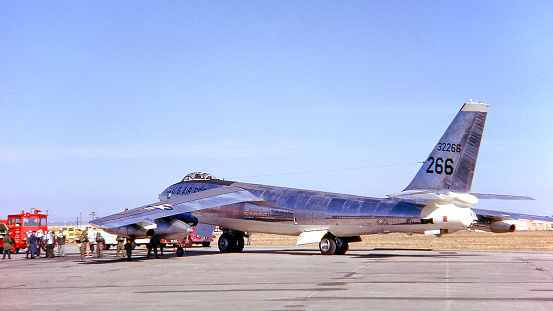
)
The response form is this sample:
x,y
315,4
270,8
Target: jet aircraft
x,y
437,201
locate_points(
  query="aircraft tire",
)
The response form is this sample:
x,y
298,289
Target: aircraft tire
x,y
327,246
342,246
180,251
227,243
239,244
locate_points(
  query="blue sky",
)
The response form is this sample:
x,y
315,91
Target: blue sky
x,y
103,105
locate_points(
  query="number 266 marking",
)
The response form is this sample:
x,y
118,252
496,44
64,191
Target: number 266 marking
x,y
440,166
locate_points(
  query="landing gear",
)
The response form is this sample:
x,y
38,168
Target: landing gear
x,y
331,245
342,246
180,251
327,245
231,242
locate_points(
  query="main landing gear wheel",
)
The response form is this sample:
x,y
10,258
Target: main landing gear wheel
x,y
226,243
342,246
327,245
239,244
231,243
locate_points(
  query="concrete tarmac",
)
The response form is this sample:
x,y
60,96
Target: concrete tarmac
x,y
296,278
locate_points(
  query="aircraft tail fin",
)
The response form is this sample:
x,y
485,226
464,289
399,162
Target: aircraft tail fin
x,y
450,165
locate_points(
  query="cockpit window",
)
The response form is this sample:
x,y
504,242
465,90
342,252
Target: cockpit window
x,y
198,176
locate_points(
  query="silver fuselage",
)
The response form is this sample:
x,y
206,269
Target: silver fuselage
x,y
293,211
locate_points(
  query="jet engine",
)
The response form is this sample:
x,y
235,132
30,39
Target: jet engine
x,y
172,229
486,224
448,216
502,227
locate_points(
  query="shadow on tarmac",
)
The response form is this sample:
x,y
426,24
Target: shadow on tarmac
x,y
376,253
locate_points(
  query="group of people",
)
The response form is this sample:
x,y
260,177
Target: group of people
x,y
39,240
87,243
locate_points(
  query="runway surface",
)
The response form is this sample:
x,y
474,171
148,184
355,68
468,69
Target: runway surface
x,y
281,279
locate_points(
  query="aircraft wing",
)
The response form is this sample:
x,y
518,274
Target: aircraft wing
x,y
500,216
146,214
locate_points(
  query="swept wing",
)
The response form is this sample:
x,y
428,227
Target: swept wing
x,y
147,214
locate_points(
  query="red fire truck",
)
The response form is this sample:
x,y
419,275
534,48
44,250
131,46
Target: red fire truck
x,y
19,224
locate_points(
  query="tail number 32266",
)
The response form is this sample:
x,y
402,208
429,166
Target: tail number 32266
x,y
440,166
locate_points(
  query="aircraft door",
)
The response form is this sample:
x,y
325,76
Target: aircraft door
x,y
309,217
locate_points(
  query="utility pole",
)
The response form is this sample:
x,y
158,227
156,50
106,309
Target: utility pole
x,y
93,214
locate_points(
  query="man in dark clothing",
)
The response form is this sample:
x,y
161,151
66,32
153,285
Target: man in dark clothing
x,y
128,249
32,245
152,246
8,245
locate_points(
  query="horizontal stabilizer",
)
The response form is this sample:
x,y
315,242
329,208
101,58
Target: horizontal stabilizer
x,y
443,196
483,196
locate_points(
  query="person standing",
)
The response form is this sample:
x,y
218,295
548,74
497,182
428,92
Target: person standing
x,y
100,241
28,242
120,246
32,245
83,239
91,241
39,234
61,243
152,246
128,248
50,244
8,245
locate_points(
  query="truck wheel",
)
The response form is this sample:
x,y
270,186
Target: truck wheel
x,y
106,246
15,251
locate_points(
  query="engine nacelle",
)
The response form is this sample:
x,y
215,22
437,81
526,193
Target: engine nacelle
x,y
502,227
447,216
128,231
173,229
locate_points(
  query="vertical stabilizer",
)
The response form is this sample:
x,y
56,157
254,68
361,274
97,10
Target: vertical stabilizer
x,y
450,165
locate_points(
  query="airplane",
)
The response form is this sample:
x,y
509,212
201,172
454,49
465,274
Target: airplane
x,y
437,201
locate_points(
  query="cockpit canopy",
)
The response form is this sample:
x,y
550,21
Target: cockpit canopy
x,y
198,176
